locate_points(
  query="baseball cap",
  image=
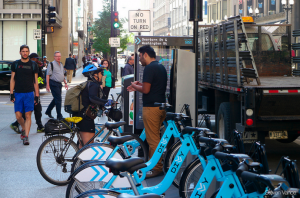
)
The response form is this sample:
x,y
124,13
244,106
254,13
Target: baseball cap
x,y
33,55
45,57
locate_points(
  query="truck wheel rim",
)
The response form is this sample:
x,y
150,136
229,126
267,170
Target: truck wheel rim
x,y
221,127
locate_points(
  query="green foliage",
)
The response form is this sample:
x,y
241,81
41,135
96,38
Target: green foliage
x,y
101,30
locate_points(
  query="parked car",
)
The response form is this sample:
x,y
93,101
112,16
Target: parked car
x,y
5,74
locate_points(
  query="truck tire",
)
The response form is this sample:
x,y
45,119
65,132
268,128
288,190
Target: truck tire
x,y
223,121
291,138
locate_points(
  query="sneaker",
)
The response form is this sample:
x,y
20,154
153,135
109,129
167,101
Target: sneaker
x,y
22,136
154,173
60,118
49,115
15,128
26,140
40,129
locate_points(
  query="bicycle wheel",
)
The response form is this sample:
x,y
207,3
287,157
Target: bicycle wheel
x,y
137,147
77,162
76,188
190,178
171,154
55,166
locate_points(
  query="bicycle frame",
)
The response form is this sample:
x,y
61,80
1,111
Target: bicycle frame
x,y
231,186
188,145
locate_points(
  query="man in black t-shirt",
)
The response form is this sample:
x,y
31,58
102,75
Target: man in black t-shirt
x,y
153,89
24,90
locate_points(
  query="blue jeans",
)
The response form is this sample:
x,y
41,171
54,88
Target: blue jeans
x,y
56,89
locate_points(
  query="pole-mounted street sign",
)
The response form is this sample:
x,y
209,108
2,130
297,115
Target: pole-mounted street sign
x,y
114,42
139,21
37,34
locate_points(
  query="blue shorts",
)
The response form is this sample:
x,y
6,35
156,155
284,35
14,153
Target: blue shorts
x,y
24,101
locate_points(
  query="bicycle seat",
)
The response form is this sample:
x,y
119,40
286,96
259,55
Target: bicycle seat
x,y
73,119
176,116
162,105
124,195
114,125
190,130
210,134
129,165
119,140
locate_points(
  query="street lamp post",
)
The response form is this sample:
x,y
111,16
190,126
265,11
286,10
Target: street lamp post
x,y
286,7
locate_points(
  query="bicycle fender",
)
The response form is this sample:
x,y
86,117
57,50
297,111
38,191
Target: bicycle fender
x,y
85,147
96,171
98,151
86,165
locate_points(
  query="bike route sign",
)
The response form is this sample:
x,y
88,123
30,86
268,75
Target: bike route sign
x,y
139,21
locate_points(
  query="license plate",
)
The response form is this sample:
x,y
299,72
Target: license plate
x,y
278,134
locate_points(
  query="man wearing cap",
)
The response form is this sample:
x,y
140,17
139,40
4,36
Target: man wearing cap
x,y
45,61
24,90
37,107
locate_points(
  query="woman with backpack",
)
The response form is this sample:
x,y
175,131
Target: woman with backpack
x,y
91,98
109,81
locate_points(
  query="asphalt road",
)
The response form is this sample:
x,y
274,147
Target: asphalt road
x,y
19,176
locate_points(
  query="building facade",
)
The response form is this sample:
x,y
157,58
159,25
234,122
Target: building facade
x,y
17,22
149,5
161,14
269,11
18,19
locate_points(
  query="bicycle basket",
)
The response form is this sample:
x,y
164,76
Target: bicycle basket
x,y
55,127
115,114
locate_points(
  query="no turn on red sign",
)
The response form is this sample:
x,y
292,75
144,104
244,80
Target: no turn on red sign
x,y
139,20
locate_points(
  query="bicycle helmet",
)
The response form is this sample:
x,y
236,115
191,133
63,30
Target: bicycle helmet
x,y
91,69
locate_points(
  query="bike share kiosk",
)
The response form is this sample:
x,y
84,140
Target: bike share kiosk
x,y
181,82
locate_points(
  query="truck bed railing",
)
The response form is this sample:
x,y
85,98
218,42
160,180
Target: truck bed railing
x,y
215,65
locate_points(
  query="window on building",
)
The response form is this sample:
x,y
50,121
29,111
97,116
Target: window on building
x,y
249,5
224,9
261,7
184,10
272,7
214,12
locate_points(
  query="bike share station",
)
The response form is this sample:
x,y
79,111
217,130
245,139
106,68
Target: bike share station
x,y
176,55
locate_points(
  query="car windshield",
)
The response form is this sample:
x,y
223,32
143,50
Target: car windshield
x,y
266,42
4,67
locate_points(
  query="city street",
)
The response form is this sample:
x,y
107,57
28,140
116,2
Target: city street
x,y
19,176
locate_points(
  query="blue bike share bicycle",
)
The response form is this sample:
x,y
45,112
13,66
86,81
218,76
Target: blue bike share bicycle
x,y
235,170
55,160
83,178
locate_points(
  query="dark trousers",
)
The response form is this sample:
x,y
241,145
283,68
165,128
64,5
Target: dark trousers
x,y
37,115
56,89
106,92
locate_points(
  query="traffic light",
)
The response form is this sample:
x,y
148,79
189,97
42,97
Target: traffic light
x,y
117,32
51,14
115,20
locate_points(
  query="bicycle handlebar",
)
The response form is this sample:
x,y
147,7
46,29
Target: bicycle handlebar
x,y
242,167
190,130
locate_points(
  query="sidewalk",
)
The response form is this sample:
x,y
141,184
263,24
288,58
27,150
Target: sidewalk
x,y
19,175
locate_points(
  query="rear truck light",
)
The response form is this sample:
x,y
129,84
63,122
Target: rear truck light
x,y
249,112
249,122
298,132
